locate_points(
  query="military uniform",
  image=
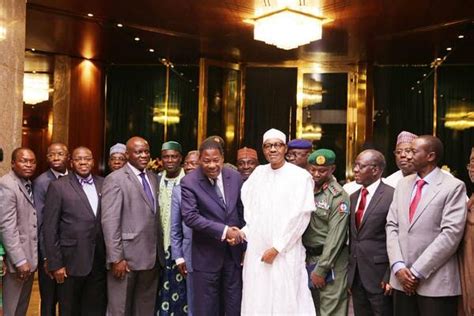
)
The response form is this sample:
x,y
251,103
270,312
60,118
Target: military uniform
x,y
325,240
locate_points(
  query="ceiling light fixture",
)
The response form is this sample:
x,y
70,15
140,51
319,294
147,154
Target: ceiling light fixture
x,y
449,49
288,24
90,15
460,36
137,39
119,25
151,50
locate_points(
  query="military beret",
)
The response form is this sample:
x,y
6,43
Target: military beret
x,y
300,144
322,157
172,145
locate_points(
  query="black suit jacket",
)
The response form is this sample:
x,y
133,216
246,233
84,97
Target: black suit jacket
x,y
72,233
40,187
368,248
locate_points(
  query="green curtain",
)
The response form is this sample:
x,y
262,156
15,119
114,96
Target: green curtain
x,y
270,101
133,93
456,94
401,104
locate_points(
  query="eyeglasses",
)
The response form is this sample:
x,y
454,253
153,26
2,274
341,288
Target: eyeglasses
x,y
362,166
120,158
277,146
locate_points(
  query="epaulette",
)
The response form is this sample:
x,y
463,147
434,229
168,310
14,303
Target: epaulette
x,y
335,188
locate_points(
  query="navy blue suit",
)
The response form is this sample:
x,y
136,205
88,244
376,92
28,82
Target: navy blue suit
x,y
217,275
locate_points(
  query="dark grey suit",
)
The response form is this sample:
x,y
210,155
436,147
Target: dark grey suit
x,y
132,231
19,235
47,286
368,263
73,239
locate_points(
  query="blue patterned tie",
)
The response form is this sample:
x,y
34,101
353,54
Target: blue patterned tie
x,y
147,189
218,191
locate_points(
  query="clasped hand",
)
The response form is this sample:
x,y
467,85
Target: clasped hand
x,y
234,236
408,281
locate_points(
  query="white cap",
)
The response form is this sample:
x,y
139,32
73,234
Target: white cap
x,y
274,133
117,148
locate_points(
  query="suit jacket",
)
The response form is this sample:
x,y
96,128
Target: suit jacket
x,y
40,187
368,250
181,234
205,213
429,243
130,223
72,233
18,222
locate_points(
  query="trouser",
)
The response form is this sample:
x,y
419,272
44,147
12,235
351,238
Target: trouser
x,y
369,304
218,293
333,299
84,295
133,295
16,294
417,305
48,291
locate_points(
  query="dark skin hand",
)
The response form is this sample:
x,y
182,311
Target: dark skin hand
x,y
60,275
23,271
269,255
182,269
233,236
318,281
387,288
120,269
408,280
45,266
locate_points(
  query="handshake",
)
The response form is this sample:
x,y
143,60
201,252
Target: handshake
x,y
234,236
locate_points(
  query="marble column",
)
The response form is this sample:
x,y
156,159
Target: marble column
x,y
61,98
12,52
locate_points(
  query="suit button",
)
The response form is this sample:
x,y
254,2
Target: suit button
x,y
34,213
34,226
355,256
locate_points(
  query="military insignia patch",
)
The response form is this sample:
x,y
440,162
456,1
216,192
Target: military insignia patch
x,y
343,208
320,160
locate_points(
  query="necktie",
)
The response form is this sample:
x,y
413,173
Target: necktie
x,y
361,207
147,189
218,191
88,180
29,190
414,203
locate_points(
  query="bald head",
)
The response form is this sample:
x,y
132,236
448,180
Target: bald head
x,y
368,167
138,152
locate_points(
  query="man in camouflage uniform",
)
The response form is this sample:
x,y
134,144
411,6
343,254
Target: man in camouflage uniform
x,y
325,238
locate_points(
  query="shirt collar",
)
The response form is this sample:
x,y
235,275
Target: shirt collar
x,y
79,178
429,177
218,179
135,170
58,174
373,187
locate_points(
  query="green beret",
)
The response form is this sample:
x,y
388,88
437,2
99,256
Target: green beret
x,y
172,145
322,157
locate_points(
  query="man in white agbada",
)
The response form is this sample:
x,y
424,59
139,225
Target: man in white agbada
x,y
278,201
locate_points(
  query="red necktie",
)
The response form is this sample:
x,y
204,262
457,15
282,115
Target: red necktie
x,y
361,207
414,203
